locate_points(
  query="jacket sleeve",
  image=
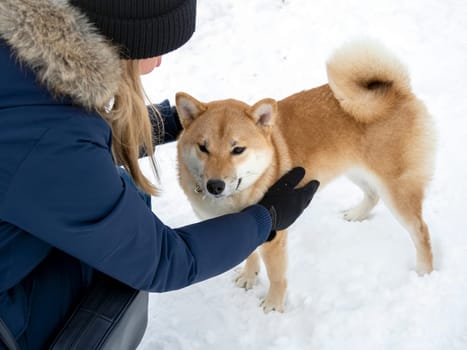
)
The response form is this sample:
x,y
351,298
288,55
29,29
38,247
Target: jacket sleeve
x,y
165,118
172,125
70,195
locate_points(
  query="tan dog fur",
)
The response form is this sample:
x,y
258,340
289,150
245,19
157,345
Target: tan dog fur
x,y
365,122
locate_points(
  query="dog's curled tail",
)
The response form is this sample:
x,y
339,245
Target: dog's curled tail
x,y
367,79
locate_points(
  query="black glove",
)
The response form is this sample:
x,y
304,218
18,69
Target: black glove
x,y
285,202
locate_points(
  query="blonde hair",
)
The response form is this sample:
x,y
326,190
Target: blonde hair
x,y
132,131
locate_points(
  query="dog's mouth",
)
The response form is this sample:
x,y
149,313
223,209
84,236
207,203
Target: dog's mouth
x,y
200,190
238,184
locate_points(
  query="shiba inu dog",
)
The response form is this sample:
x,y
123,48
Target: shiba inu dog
x,y
365,122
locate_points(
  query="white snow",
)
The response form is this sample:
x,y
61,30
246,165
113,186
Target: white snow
x,y
351,285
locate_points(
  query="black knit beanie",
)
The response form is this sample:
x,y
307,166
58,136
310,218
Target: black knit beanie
x,y
142,28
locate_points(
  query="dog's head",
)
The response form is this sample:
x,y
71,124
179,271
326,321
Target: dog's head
x,y
226,145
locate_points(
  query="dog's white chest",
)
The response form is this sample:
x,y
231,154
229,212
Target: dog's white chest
x,y
207,207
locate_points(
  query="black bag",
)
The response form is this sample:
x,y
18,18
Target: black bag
x,y
111,315
7,342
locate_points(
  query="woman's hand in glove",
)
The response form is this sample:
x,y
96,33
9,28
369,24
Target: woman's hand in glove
x,y
285,202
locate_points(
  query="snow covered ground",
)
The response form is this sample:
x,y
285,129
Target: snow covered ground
x,y
351,285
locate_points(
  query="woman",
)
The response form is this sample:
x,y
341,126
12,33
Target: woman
x,y
65,209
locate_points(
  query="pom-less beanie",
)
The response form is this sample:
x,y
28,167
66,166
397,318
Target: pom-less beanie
x,y
142,28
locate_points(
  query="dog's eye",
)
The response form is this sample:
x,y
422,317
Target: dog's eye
x,y
238,150
202,148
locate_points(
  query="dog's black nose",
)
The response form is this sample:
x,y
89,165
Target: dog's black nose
x,y
215,186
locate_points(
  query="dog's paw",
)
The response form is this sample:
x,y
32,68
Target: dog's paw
x,y
272,304
355,214
424,268
275,299
246,280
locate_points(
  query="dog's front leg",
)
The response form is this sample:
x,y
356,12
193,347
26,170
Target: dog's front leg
x,y
274,255
249,274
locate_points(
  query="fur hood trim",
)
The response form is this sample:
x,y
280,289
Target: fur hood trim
x,y
63,48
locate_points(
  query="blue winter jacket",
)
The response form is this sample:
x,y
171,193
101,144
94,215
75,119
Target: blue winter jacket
x,y
59,188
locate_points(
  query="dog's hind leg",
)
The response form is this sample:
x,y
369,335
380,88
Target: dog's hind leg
x,y
405,199
248,276
274,255
370,199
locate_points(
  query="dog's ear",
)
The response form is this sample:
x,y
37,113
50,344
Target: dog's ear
x,y
188,108
263,112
